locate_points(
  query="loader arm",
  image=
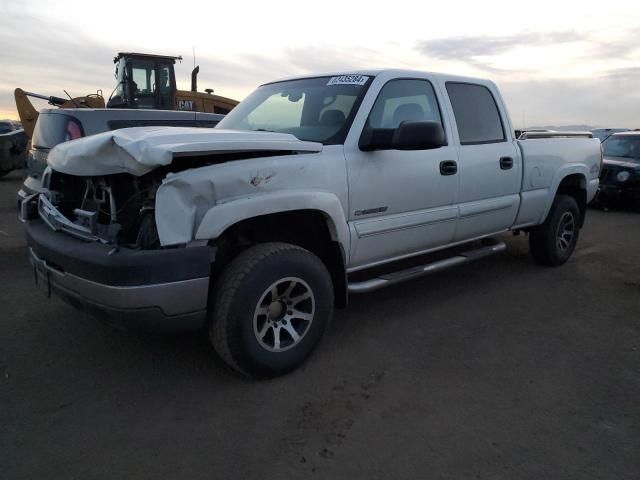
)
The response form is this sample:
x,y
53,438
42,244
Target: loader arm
x,y
26,111
29,115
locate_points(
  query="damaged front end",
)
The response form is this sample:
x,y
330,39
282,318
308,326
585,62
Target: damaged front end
x,y
103,187
113,209
103,235
93,242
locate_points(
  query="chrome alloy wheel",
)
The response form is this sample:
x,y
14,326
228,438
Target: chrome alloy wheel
x,y
566,231
284,314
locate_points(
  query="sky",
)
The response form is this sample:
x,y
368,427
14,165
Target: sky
x,y
556,62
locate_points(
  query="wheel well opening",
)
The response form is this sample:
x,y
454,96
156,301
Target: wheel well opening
x,y
306,228
575,186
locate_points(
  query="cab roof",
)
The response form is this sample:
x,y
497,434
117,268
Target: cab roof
x,y
387,71
145,55
633,133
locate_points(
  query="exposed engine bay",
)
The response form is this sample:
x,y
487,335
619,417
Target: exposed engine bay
x,y
118,209
107,187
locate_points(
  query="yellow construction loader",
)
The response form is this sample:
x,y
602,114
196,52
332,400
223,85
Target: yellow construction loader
x,y
143,81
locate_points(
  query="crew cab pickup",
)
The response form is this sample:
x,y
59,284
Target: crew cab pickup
x,y
310,189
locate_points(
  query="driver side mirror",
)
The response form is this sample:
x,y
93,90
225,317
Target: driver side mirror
x,y
420,135
410,135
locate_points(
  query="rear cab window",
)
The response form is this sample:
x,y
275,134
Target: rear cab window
x,y
54,128
476,113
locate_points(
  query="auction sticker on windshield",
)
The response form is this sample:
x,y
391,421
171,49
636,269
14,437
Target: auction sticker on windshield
x,y
348,80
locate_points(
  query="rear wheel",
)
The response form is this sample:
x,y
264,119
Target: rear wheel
x,y
271,306
553,242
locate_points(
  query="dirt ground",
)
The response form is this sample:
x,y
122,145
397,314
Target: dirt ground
x,y
496,370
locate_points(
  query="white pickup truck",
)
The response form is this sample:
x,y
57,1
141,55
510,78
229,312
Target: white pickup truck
x,y
312,188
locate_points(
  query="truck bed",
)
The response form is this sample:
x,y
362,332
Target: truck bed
x,y
548,157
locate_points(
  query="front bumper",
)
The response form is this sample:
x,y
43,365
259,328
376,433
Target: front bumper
x,y
162,290
30,186
619,192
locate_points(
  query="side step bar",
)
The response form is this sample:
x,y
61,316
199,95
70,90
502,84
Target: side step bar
x,y
392,278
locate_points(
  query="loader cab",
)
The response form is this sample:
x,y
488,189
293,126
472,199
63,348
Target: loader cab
x,y
144,81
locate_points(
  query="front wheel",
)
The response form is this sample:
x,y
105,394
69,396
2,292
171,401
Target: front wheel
x,y
553,242
271,306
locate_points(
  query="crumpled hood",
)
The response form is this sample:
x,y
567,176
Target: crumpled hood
x,y
139,150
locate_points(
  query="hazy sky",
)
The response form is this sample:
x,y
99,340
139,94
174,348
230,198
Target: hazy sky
x,y
556,62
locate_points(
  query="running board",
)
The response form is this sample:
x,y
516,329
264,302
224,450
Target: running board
x,y
422,270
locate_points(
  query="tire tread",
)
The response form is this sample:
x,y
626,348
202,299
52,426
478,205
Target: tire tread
x,y
224,292
542,238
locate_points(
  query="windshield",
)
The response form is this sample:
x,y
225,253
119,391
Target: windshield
x,y
121,69
313,109
627,146
603,133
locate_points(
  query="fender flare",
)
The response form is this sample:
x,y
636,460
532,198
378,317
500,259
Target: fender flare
x,y
224,215
561,174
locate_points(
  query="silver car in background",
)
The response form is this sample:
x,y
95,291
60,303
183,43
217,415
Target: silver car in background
x,y
58,125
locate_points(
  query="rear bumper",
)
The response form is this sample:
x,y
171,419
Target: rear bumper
x,y
163,290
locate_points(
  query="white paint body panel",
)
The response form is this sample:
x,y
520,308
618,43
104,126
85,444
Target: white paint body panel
x,y
489,196
201,203
546,163
420,204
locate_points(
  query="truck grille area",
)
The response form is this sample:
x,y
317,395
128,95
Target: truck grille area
x,y
609,176
609,173
117,209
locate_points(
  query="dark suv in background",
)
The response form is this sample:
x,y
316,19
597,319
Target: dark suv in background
x,y
603,133
620,177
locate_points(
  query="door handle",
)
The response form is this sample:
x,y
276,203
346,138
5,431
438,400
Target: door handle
x,y
506,163
448,167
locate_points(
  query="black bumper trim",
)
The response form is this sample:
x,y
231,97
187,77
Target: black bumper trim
x,y
124,267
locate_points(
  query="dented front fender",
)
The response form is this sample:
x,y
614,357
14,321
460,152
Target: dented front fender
x,y
201,203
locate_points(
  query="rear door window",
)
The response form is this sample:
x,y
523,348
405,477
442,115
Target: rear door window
x,y
476,113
